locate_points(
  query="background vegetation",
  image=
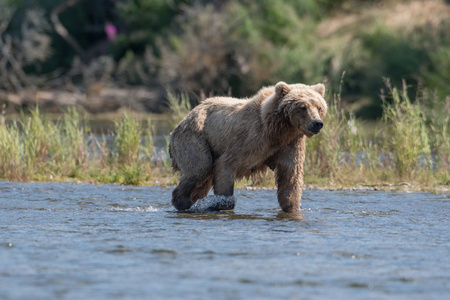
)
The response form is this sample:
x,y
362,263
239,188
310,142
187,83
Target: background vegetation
x,y
229,46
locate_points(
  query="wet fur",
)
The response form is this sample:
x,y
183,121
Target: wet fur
x,y
224,139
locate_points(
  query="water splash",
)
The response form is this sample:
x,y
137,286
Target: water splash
x,y
141,209
213,203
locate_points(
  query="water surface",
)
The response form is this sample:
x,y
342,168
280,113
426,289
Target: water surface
x,y
69,241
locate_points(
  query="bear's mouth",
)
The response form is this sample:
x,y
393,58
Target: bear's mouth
x,y
314,131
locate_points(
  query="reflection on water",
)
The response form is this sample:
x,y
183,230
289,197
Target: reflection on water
x,y
68,241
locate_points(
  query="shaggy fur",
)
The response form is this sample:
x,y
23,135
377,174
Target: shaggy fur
x,y
224,139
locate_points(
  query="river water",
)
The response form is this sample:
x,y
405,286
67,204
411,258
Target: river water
x,y
69,241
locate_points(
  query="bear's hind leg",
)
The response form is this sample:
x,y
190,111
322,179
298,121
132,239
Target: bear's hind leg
x,y
193,184
181,195
194,160
202,189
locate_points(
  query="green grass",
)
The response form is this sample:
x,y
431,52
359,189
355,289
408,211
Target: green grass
x,y
38,148
410,144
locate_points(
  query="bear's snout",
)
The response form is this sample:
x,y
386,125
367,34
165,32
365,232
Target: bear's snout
x,y
315,126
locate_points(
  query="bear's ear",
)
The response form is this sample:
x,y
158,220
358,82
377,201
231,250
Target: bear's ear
x,y
320,88
281,89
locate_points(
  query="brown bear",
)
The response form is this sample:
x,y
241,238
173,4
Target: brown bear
x,y
224,139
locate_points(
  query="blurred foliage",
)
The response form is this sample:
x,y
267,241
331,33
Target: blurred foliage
x,y
145,21
195,46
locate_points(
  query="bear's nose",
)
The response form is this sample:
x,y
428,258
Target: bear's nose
x,y
318,125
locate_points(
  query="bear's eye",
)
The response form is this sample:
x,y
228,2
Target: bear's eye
x,y
303,107
320,109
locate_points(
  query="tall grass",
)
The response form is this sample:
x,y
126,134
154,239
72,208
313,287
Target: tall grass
x,y
12,150
179,107
133,150
37,148
406,133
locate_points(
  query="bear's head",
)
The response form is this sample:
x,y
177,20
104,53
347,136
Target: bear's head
x,y
302,105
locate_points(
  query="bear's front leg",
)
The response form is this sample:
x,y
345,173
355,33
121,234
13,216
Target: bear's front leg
x,y
288,164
